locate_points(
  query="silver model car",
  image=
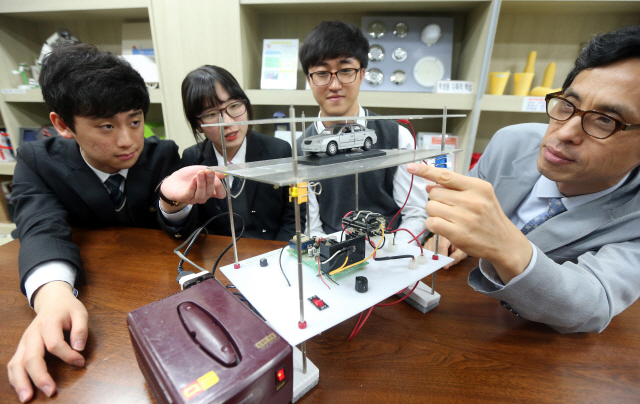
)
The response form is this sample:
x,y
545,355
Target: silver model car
x,y
342,136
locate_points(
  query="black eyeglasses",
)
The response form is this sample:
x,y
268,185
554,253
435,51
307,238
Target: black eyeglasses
x,y
594,123
344,76
234,110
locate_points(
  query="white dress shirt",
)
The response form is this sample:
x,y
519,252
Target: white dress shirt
x,y
57,270
413,214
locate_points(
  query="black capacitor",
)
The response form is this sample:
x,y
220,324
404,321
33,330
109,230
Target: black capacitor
x,y
263,262
362,284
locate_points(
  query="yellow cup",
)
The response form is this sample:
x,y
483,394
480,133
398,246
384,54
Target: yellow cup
x,y
497,82
522,83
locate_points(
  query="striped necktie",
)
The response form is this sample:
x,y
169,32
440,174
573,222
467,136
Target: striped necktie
x,y
113,186
555,208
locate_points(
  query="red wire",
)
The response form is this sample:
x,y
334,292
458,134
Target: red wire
x,y
359,325
348,213
399,300
414,237
356,330
415,147
355,327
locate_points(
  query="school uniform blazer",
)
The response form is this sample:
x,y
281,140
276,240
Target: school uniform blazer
x,y
588,258
54,189
269,208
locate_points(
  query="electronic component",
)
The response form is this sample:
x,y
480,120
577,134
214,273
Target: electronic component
x,y
364,223
319,303
212,349
362,284
263,262
187,279
334,253
305,242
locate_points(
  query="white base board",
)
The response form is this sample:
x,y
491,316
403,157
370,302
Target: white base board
x,y
421,298
279,304
303,382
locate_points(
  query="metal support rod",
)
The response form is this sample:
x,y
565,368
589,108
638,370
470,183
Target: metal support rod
x,y
226,178
357,192
308,218
296,209
433,283
302,324
294,143
442,144
303,347
484,73
304,134
304,153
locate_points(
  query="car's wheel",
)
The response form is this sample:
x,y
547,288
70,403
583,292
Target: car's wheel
x,y
332,149
367,144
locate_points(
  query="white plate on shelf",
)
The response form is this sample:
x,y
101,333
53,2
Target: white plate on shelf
x,y
428,70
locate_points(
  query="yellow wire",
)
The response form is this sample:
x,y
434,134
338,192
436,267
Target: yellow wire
x,y
343,268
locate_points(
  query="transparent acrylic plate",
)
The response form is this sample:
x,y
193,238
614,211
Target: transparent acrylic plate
x,y
280,171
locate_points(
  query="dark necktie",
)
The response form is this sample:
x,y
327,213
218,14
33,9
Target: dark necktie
x,y
555,208
113,186
236,185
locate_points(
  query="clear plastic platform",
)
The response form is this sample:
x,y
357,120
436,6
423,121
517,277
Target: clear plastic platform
x,y
280,171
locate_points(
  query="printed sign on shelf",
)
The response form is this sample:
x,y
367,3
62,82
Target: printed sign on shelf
x,y
279,64
534,104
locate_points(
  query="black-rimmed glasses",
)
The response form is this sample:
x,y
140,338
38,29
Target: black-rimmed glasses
x,y
594,123
234,110
344,76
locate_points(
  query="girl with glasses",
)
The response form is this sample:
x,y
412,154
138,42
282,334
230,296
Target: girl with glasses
x,y
209,92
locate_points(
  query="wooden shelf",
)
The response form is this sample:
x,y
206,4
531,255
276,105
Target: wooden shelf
x,y
572,7
35,95
368,99
7,168
365,6
43,10
504,103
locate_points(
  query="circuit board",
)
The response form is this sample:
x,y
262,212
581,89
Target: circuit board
x,y
312,262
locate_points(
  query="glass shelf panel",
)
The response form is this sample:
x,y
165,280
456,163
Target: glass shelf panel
x,y
281,172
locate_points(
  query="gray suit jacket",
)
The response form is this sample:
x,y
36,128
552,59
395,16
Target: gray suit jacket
x,y
588,263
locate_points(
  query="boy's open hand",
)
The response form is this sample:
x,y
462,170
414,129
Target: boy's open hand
x,y
192,185
57,310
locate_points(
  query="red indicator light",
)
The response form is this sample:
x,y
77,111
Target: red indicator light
x,y
318,302
280,375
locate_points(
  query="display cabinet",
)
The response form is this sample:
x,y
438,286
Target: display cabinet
x,y
230,33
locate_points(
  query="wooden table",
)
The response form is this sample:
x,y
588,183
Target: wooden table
x,y
467,350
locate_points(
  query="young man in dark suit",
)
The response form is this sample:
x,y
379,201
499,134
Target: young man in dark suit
x,y
100,171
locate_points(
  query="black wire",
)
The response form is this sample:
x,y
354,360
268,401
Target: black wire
x,y
395,257
197,233
280,261
241,297
335,259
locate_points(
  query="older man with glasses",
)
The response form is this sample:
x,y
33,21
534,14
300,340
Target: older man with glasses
x,y
553,211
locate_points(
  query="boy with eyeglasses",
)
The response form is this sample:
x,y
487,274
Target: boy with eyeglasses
x,y
553,211
334,59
